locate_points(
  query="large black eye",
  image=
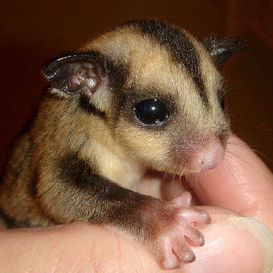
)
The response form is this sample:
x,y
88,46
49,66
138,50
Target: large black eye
x,y
151,112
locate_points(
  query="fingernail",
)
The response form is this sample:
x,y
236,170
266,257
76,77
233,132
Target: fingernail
x,y
263,234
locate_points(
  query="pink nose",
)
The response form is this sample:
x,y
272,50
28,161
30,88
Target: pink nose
x,y
206,157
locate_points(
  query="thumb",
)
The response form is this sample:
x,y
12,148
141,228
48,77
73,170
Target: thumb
x,y
233,244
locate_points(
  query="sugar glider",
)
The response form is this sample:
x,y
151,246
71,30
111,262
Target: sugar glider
x,y
145,96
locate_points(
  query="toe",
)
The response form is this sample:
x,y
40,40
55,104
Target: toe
x,y
168,259
183,200
195,236
184,252
195,215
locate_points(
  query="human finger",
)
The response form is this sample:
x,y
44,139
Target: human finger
x,y
241,183
96,249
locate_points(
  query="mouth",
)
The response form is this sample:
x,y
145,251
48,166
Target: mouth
x,y
164,185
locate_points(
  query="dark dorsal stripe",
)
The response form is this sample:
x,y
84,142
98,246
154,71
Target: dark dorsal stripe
x,y
179,46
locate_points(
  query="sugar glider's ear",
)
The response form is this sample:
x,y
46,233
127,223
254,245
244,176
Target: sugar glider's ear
x,y
76,73
220,49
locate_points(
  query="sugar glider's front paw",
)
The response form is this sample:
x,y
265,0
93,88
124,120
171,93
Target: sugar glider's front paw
x,y
176,231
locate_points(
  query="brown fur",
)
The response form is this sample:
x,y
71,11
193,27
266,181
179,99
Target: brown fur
x,y
113,149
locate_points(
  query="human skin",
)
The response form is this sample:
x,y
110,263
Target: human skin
x,y
240,186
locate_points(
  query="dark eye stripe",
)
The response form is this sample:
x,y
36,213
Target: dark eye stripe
x,y
179,46
221,95
222,103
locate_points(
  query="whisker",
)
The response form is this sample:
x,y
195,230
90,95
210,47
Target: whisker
x,y
173,176
164,182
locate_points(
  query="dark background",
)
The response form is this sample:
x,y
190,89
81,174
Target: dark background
x,y
33,32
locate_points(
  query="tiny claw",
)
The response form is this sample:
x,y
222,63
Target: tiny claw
x,y
200,241
170,264
195,236
206,217
188,257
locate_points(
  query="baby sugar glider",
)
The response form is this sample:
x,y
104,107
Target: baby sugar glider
x,y
145,96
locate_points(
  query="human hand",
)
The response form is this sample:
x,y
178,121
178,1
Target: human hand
x,y
240,185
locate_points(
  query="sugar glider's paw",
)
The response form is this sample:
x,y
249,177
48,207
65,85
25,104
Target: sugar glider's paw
x,y
176,231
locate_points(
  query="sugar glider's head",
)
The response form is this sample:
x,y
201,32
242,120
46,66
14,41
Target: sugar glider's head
x,y
157,90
